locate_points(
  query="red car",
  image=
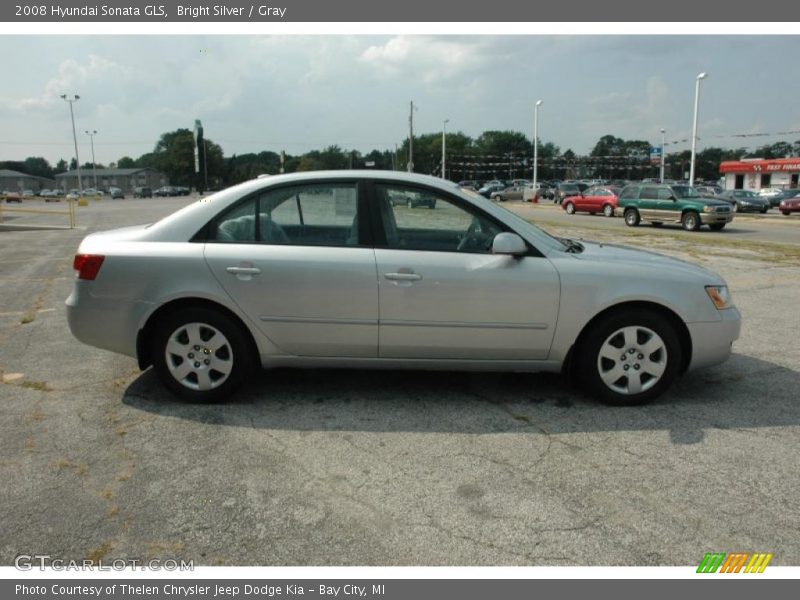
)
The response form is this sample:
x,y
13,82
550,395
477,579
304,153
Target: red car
x,y
597,199
790,205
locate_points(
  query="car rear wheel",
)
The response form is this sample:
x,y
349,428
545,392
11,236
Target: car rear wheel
x,y
786,212
608,210
632,218
570,208
200,354
691,221
630,357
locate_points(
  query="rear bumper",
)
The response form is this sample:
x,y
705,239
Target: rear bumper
x,y
712,343
111,324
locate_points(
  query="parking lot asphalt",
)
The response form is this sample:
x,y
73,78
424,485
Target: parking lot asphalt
x,y
319,467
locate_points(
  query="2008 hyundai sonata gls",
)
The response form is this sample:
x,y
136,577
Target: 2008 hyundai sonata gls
x,y
327,269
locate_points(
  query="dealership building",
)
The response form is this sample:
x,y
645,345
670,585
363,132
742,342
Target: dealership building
x,y
126,179
758,173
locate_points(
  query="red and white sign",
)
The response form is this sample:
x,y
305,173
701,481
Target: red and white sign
x,y
761,166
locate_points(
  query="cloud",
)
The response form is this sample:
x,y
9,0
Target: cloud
x,y
73,75
428,59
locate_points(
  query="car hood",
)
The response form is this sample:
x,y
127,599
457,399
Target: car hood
x,y
649,262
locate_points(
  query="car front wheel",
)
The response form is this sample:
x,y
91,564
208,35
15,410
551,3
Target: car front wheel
x,y
630,358
200,354
570,208
608,210
691,221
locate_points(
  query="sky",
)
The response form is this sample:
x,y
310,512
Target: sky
x,y
297,93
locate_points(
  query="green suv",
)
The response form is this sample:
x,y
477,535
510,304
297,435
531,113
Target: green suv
x,y
662,203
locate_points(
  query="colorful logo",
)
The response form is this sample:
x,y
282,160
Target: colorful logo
x,y
736,562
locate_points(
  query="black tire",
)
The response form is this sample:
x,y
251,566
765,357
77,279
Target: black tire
x,y
786,212
764,211
608,210
589,361
691,221
632,218
237,351
570,208
717,226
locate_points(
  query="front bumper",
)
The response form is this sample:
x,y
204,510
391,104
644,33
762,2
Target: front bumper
x,y
712,342
713,217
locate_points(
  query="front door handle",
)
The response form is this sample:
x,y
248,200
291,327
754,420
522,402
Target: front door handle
x,y
403,276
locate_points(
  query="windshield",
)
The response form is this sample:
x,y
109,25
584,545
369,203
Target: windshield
x,y
684,191
746,194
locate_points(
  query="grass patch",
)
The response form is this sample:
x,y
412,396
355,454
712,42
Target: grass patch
x,y
695,244
40,386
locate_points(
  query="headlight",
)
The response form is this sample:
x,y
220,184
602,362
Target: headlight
x,y
708,208
719,295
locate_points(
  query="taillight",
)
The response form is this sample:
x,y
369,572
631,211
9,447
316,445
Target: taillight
x,y
87,265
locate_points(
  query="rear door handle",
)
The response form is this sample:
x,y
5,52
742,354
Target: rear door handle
x,y
244,270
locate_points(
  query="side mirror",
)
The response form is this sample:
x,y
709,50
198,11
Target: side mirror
x,y
509,243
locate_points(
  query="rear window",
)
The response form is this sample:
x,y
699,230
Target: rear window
x,y
629,193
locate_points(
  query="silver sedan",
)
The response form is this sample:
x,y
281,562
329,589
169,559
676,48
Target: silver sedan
x,y
324,270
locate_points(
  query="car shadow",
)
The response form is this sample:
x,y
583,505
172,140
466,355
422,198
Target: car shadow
x,y
743,393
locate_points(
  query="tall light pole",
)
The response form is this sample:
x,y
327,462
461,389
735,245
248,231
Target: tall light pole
x,y
536,145
444,146
75,98
663,151
694,125
91,135
410,165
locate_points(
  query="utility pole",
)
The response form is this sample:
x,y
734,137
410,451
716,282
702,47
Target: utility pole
x,y
205,161
91,135
75,98
663,151
410,165
536,147
444,146
699,78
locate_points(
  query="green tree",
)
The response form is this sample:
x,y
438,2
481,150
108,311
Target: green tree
x,y
174,156
36,165
126,162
